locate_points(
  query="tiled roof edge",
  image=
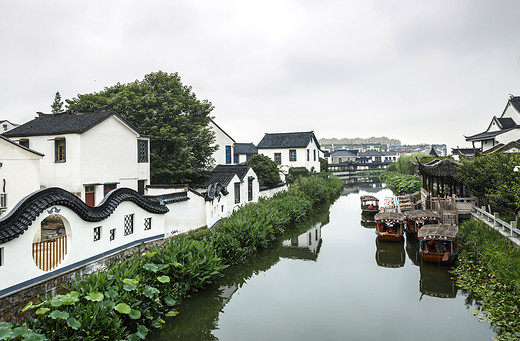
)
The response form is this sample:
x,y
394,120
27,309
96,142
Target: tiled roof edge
x,y
29,208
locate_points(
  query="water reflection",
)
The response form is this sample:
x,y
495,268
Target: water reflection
x,y
354,184
367,220
436,281
305,246
199,314
390,254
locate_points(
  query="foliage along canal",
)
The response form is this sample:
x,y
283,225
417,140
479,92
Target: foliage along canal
x,y
331,280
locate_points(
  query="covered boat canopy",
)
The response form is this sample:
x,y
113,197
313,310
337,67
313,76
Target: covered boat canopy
x,y
369,198
389,216
422,215
438,232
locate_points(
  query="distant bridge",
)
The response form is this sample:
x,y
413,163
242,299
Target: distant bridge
x,y
353,167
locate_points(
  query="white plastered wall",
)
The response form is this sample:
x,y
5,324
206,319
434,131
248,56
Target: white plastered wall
x,y
81,244
19,173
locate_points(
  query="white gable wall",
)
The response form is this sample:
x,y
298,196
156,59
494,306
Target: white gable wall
x,y
109,155
221,140
510,111
66,175
19,173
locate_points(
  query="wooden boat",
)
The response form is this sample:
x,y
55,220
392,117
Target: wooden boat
x,y
388,205
415,219
369,204
438,243
405,203
390,226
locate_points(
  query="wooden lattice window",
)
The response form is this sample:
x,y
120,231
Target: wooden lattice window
x,y
147,224
60,154
97,233
112,234
142,151
292,154
129,224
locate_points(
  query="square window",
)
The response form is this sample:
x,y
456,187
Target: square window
x,y
129,224
112,234
147,224
97,233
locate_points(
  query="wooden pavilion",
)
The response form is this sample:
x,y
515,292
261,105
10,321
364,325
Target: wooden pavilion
x,y
438,177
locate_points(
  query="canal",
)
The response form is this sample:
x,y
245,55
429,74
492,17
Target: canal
x,y
332,281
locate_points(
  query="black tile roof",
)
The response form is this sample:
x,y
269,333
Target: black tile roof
x,y
26,211
170,197
287,140
20,146
486,135
245,148
224,173
64,123
506,122
515,101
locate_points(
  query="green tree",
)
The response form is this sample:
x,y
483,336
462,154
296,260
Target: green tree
x,y
265,168
161,106
492,177
57,105
324,165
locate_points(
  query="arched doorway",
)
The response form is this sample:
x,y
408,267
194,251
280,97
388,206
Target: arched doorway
x,y
49,246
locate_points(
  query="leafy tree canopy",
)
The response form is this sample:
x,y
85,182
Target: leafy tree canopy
x,y
265,168
161,106
492,177
324,165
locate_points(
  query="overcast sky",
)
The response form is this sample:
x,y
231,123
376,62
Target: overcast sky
x,y
418,71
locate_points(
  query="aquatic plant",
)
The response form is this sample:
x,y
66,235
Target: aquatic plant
x,y
488,266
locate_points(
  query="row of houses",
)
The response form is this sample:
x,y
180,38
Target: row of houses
x,y
75,187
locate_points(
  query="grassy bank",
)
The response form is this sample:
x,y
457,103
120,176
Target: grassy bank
x,y
493,277
135,294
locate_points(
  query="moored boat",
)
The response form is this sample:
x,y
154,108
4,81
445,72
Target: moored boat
x,y
438,243
388,205
369,204
415,219
389,226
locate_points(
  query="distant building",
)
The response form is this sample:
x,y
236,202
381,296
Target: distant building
x,y
244,151
292,150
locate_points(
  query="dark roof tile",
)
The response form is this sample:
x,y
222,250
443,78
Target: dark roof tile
x,y
287,140
64,123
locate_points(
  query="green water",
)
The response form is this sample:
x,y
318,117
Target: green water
x,y
333,281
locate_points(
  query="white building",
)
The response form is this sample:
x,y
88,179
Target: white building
x,y
224,154
501,130
243,152
87,154
228,187
292,150
19,173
